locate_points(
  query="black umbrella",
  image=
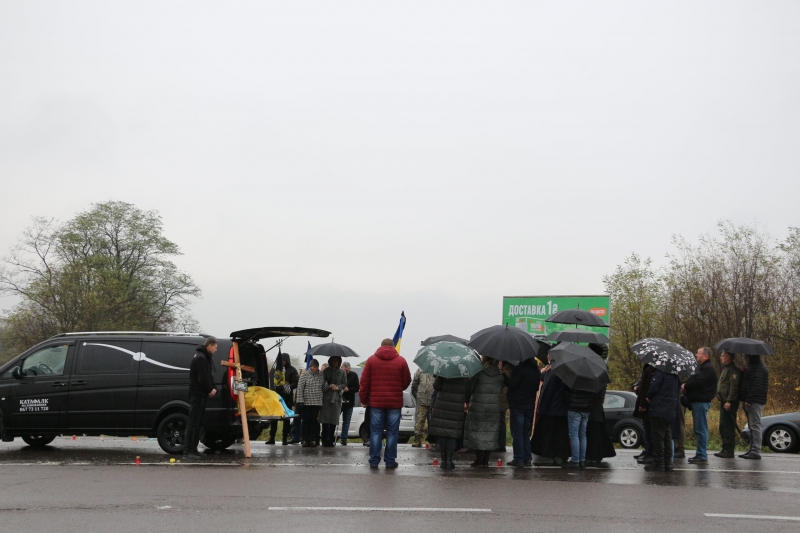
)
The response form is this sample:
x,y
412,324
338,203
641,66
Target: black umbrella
x,y
577,316
505,344
444,338
579,367
331,349
745,346
577,335
666,356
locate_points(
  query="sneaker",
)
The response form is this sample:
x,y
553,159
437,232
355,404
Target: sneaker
x,y
569,465
392,465
527,463
669,468
344,443
724,455
751,456
698,461
515,463
295,442
646,460
638,455
680,455
654,467
416,444
270,441
373,467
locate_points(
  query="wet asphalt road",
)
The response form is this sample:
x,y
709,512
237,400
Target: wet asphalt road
x,y
94,485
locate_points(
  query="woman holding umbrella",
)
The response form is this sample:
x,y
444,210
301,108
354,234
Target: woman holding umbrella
x,y
598,443
453,364
335,383
482,404
550,439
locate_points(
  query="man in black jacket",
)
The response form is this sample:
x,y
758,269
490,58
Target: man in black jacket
x,y
348,401
753,394
662,401
523,384
201,387
284,380
701,388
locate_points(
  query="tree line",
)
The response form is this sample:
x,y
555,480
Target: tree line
x,y
739,282
108,268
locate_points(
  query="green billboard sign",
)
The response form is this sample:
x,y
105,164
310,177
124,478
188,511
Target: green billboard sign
x,y
530,312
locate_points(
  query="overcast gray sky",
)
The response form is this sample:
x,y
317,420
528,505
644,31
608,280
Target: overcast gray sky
x,y
329,164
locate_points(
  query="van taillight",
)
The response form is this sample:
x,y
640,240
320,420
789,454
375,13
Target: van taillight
x,y
231,375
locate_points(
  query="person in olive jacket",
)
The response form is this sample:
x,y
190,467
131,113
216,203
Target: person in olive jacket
x,y
662,401
701,388
482,404
753,395
201,387
728,392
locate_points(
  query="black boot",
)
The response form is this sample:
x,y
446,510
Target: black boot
x,y
443,466
450,464
655,466
669,467
486,455
478,459
271,440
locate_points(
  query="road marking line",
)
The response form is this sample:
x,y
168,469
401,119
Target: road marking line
x,y
754,516
383,509
731,470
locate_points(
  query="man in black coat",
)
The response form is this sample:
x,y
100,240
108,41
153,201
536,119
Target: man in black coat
x,y
348,400
201,387
701,388
523,385
662,401
284,380
753,394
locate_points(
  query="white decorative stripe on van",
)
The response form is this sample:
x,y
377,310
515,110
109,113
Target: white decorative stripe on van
x,y
137,356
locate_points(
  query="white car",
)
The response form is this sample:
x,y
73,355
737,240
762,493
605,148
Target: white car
x,y
359,427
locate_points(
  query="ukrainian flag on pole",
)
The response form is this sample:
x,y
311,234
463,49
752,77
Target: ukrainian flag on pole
x,y
398,335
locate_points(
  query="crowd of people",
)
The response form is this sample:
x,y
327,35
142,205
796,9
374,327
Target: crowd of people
x,y
558,425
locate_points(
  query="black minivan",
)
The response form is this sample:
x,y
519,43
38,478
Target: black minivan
x,y
129,383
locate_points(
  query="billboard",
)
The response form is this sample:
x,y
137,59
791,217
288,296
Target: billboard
x,y
530,312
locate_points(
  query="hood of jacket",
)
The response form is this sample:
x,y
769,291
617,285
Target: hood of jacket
x,y
387,353
491,370
286,359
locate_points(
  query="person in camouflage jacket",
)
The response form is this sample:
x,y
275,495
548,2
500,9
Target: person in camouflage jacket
x,y
422,390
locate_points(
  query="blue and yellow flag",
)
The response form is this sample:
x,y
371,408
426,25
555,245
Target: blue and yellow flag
x,y
398,335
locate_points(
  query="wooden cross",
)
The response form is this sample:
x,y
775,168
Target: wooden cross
x,y
242,409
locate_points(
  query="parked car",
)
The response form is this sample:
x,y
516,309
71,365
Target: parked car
x,y
126,384
780,432
622,427
359,427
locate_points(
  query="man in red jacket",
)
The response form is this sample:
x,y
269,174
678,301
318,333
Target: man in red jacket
x,y
383,380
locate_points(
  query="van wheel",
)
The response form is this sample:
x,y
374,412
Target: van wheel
x,y
218,442
38,441
172,433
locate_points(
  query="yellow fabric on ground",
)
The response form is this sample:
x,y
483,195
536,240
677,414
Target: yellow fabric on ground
x,y
264,401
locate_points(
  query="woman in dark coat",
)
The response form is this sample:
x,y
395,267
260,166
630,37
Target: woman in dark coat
x,y
447,417
598,442
550,434
482,402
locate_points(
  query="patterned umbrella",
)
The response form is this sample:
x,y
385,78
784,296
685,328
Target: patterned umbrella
x,y
449,360
666,356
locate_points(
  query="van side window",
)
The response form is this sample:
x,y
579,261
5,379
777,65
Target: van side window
x,y
108,357
167,357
